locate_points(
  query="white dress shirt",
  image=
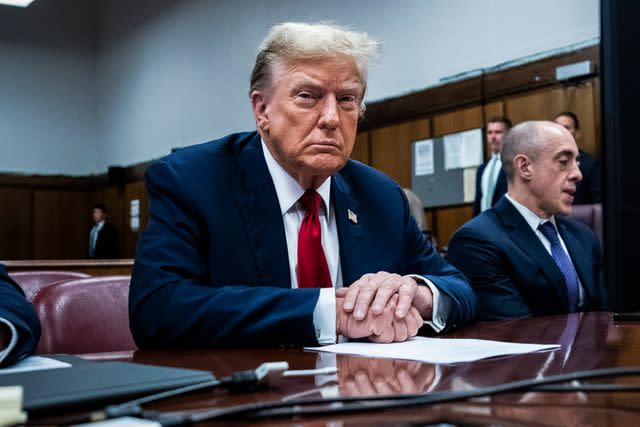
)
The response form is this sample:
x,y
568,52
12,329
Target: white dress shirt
x,y
12,342
289,192
534,221
485,201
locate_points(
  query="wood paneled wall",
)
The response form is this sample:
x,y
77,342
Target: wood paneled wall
x,y
390,146
16,234
60,224
362,148
583,99
39,219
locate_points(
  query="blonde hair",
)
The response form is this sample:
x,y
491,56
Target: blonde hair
x,y
299,40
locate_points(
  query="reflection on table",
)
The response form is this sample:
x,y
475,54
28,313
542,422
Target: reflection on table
x,y
589,340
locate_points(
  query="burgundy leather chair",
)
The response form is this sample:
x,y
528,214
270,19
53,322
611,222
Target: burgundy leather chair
x,y
87,315
32,281
590,215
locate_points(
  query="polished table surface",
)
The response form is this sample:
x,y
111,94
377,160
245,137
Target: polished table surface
x,y
589,341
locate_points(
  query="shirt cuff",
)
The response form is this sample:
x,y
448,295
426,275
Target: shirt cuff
x,y
12,343
324,317
441,304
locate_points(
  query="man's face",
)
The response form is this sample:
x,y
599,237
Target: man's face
x,y
567,123
98,215
495,133
555,173
309,115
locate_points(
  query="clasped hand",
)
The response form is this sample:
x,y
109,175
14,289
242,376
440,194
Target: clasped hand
x,y
360,376
382,307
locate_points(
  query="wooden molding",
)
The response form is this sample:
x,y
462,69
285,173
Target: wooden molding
x,y
475,90
53,182
472,91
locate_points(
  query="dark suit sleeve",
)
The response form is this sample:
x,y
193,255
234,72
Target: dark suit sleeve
x,y
476,201
113,245
480,261
601,303
107,246
596,195
172,302
18,311
424,259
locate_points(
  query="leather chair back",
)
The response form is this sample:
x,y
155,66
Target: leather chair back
x,y
590,215
32,281
87,315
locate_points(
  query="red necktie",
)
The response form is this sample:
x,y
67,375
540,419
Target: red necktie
x,y
313,271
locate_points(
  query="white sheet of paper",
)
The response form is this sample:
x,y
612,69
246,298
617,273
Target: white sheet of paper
x,y
471,154
463,149
435,350
452,145
122,422
34,363
423,155
469,183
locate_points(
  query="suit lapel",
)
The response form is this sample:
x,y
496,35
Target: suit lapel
x,y
579,258
257,202
350,234
526,239
501,186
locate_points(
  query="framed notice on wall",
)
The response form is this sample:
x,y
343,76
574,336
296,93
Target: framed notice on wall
x,y
444,168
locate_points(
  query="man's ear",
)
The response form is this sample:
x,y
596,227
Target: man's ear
x,y
259,107
522,166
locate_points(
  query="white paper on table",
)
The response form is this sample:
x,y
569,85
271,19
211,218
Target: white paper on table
x,y
463,149
423,157
34,363
435,350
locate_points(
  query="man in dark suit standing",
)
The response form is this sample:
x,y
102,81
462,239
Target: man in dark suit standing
x,y
275,237
522,257
103,237
491,183
587,190
19,324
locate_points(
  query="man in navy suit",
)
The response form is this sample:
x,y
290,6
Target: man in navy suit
x,y
491,182
587,190
523,258
275,237
19,324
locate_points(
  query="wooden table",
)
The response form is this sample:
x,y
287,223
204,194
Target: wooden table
x,y
592,340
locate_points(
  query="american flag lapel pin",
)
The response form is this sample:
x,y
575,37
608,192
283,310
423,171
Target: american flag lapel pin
x,y
352,216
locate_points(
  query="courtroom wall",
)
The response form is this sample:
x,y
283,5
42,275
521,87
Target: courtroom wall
x,y
175,73
48,88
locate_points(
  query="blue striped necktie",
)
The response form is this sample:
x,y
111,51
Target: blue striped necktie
x,y
564,263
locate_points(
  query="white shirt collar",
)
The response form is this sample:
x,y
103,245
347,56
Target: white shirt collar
x,y
288,189
532,219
